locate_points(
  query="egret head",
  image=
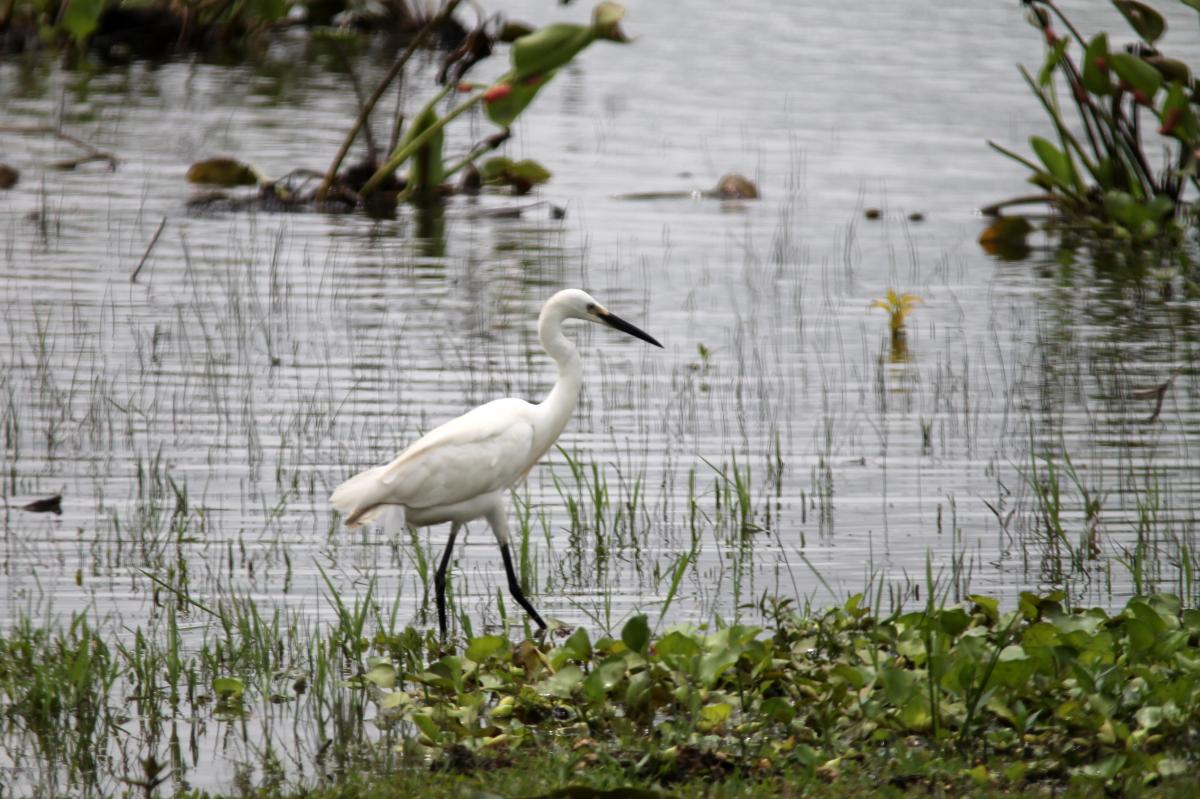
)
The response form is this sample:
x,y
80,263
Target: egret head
x,y
577,304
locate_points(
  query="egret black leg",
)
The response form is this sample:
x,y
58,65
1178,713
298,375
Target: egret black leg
x,y
439,579
514,586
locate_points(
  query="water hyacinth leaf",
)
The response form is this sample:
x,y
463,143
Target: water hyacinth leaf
x,y
382,674
713,716
778,710
1095,66
1137,73
604,678
577,647
81,17
989,606
426,724
1055,160
714,664
1148,23
487,646
222,172
675,647
564,683
636,634
228,689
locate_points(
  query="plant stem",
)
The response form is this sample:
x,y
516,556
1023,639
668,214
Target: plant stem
x,y
367,107
405,152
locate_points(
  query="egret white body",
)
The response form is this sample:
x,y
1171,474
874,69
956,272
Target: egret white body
x,y
462,470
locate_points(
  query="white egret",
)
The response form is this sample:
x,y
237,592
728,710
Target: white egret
x,y
461,470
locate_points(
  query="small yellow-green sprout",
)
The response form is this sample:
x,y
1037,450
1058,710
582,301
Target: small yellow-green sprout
x,y
898,307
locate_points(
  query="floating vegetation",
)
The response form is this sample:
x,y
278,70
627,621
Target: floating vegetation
x,y
1043,696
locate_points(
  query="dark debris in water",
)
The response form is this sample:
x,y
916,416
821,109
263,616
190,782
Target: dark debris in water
x,y
47,505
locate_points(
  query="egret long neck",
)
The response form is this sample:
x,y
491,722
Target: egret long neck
x,y
560,403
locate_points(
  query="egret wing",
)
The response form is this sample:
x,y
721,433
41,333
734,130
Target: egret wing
x,y
485,450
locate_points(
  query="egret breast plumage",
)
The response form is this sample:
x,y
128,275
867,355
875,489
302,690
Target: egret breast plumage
x,y
462,469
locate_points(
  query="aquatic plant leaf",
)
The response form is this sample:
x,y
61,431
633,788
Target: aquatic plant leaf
x,y
636,634
548,48
486,646
427,170
1096,77
604,678
1055,160
1053,58
778,710
505,108
675,646
577,647
1177,118
426,724
228,689
563,683
222,172
1148,23
382,674
1137,73
713,716
82,17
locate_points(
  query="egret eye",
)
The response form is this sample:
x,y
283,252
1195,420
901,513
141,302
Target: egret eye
x,y
591,308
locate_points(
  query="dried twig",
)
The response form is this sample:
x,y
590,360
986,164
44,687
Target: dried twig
x,y
92,153
149,247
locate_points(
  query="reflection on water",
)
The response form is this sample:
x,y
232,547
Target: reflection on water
x,y
196,420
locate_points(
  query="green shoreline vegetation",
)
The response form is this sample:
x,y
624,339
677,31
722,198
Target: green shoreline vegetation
x,y
945,699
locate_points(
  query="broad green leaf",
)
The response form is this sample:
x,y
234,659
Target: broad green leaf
x,y
1148,23
1149,717
604,678
382,674
713,665
506,109
1137,73
1095,66
778,709
1054,159
228,688
563,683
713,716
426,725
485,646
988,605
81,17
636,634
676,645
548,48
639,690
577,646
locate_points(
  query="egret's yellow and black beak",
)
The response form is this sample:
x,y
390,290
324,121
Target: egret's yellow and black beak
x,y
617,323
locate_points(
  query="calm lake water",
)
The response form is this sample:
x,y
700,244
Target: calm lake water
x,y
198,418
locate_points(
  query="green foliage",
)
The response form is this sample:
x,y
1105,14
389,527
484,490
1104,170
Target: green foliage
x,y
1074,695
1101,174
